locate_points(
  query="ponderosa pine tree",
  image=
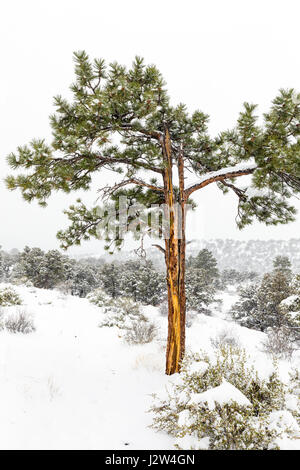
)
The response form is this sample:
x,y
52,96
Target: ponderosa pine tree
x,y
122,119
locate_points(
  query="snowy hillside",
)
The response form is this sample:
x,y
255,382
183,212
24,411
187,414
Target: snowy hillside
x,y
71,384
251,255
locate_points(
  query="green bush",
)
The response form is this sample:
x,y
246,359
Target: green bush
x,y
8,296
241,416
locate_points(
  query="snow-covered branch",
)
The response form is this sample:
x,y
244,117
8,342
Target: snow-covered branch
x,y
245,168
108,190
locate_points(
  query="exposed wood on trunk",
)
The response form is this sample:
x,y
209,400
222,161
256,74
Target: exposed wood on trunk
x,y
160,248
176,322
182,251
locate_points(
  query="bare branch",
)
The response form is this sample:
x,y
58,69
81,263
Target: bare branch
x,y
160,248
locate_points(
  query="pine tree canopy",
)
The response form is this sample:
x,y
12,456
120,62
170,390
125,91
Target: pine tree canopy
x,y
119,118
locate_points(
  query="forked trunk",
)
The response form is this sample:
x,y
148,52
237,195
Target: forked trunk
x,y
175,266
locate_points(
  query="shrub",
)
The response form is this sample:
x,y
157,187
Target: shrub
x,y
279,342
21,322
121,312
100,298
221,403
141,332
225,337
8,296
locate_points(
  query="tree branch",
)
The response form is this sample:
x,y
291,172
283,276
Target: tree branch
x,y
221,175
160,248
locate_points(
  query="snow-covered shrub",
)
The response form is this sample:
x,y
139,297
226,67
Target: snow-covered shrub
x,y
141,332
81,279
20,322
122,312
100,298
8,296
221,403
227,336
279,342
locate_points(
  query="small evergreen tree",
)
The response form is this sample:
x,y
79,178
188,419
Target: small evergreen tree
x,y
221,403
200,290
44,270
29,265
85,278
142,282
110,279
206,262
245,311
202,276
275,287
259,306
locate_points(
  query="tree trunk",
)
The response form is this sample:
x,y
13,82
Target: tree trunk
x,y
175,265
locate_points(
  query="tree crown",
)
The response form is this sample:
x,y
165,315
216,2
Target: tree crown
x,y
118,120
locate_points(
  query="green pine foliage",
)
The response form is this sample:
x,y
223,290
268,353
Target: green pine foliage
x,y
117,118
202,278
205,260
200,291
52,269
44,270
262,306
110,279
140,281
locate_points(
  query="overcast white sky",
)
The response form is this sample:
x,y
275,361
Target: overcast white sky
x,y
213,54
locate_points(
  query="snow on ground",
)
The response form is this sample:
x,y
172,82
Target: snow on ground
x,y
72,385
